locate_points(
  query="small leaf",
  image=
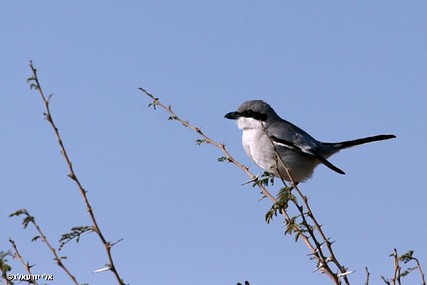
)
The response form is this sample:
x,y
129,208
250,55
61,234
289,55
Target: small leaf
x,y
222,159
75,233
297,235
407,256
291,225
200,141
265,179
18,213
270,214
35,238
27,220
154,104
407,271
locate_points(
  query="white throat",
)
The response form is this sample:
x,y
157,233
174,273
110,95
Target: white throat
x,y
248,123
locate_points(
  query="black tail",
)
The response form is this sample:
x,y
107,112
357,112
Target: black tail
x,y
347,144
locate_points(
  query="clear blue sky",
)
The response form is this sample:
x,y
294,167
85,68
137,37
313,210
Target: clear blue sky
x,y
338,69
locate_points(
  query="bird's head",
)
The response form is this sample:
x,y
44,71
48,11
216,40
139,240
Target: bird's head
x,y
251,113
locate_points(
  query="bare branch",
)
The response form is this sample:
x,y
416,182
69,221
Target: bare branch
x,y
423,280
367,276
35,84
26,265
305,211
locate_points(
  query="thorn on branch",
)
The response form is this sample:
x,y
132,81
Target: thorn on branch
x,y
345,273
108,267
72,176
116,242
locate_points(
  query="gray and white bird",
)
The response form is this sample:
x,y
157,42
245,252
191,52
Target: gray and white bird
x,y
301,153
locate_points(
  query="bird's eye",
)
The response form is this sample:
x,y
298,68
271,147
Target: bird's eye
x,y
255,115
249,113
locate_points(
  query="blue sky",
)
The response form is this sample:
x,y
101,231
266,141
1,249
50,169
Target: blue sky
x,y
339,70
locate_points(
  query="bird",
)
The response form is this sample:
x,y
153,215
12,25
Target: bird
x,y
266,135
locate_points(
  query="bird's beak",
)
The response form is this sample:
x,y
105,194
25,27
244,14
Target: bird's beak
x,y
232,115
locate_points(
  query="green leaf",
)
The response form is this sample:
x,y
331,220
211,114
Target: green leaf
x,y
265,179
18,213
291,225
407,271
4,267
222,159
407,256
75,233
200,141
35,238
284,196
154,103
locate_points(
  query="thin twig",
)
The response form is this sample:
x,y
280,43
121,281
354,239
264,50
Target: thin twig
x,y
107,245
367,276
423,280
396,269
26,265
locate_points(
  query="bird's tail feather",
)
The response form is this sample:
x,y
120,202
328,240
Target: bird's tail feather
x,y
347,144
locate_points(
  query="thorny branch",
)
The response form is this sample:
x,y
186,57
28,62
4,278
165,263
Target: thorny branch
x,y
397,269
311,228
26,265
34,83
30,219
305,230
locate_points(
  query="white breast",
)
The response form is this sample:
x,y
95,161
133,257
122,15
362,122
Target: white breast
x,y
256,143
259,149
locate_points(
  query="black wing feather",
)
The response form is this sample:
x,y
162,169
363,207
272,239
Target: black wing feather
x,y
311,152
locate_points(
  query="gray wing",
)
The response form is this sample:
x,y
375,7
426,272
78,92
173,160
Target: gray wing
x,y
305,149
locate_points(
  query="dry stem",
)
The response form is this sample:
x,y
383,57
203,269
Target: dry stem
x,y
26,265
107,245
